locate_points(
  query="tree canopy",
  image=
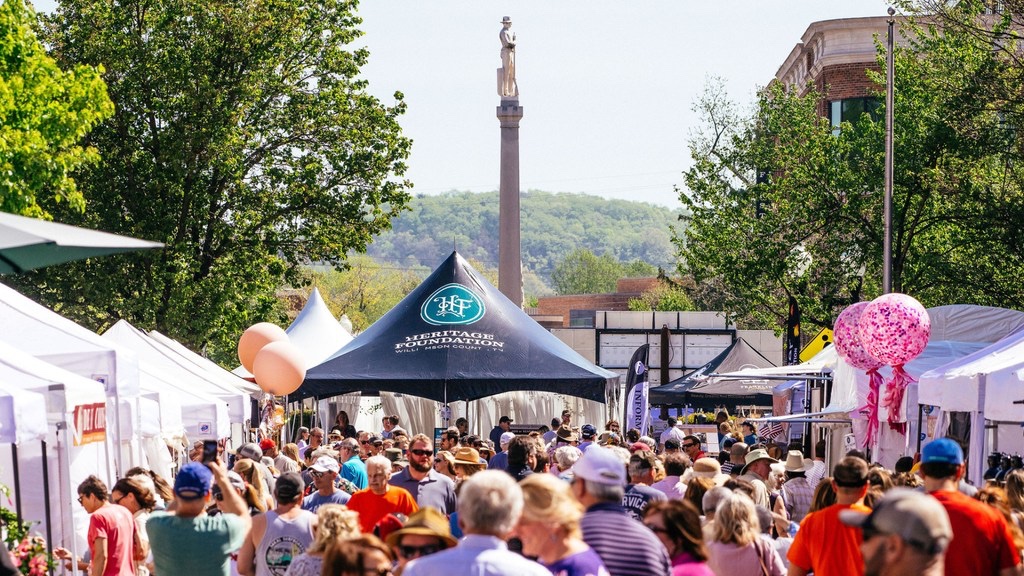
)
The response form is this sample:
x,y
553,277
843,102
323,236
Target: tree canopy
x,y
783,205
44,114
242,138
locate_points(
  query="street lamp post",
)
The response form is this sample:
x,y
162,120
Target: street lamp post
x,y
887,213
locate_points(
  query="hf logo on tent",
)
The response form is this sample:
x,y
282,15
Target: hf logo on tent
x,y
452,304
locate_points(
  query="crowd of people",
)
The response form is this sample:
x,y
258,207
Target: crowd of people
x,y
562,500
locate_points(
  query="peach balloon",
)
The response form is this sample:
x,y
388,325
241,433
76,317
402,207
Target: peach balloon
x,y
279,368
255,338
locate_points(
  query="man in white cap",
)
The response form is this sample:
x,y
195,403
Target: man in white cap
x,y
323,472
906,533
500,460
625,545
756,471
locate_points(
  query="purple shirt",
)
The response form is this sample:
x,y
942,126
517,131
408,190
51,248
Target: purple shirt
x,y
586,563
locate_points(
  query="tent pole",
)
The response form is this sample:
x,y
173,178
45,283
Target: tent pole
x,y
920,422
46,498
17,480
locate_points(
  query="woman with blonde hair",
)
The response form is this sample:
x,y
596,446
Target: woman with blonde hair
x,y
247,469
444,464
291,450
736,548
334,522
1015,492
550,527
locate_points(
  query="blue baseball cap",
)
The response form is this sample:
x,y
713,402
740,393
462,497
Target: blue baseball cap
x,y
943,450
588,431
193,481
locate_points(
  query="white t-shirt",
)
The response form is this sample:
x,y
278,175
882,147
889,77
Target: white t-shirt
x,y
672,432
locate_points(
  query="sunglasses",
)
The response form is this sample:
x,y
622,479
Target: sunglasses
x,y
80,499
315,473
413,551
219,497
420,452
688,445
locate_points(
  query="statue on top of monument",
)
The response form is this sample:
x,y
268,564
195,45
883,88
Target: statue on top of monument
x,y
507,87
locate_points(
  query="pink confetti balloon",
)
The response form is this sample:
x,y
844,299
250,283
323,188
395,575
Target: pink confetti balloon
x,y
847,340
894,328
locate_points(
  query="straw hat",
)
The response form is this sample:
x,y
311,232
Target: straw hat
x,y
467,456
424,522
795,462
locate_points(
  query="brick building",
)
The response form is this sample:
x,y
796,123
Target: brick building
x,y
557,311
834,56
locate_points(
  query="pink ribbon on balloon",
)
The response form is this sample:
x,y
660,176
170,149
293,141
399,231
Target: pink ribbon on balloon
x,y
871,408
893,399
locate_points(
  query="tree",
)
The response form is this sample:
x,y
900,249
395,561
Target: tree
x,y
783,206
244,139
366,290
44,113
581,272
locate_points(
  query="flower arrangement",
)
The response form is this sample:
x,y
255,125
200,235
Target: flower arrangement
x,y
31,558
28,553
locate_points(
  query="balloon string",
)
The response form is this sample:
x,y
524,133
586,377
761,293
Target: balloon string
x,y
893,399
871,408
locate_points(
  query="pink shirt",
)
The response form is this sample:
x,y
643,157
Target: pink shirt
x,y
116,524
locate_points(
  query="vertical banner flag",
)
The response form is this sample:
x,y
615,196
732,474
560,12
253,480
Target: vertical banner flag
x,y
638,412
792,352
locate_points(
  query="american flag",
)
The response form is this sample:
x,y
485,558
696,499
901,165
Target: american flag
x,y
771,431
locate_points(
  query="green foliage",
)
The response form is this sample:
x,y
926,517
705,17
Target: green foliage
x,y
552,225
244,140
366,290
663,298
44,114
814,228
581,272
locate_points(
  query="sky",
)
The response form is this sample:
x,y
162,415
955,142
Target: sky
x,y
607,87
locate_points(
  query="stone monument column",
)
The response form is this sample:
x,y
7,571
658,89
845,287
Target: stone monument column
x,y
510,268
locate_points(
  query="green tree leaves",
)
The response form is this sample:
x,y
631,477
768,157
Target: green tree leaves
x,y
244,139
813,228
44,114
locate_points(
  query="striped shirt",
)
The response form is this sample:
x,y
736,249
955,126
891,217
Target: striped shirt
x,y
626,546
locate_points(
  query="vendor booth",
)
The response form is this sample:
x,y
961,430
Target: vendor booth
x,y
53,451
43,333
456,337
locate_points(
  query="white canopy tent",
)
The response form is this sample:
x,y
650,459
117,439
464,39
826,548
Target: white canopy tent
x,y
172,365
22,415
45,334
45,474
963,384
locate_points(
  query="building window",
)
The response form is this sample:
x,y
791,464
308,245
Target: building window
x,y
851,109
582,318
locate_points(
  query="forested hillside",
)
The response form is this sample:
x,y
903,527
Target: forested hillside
x,y
552,226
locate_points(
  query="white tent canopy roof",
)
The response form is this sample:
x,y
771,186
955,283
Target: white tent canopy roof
x,y
316,332
208,366
170,366
22,415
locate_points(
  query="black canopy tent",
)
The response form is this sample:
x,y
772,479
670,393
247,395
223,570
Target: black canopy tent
x,y
700,391
456,337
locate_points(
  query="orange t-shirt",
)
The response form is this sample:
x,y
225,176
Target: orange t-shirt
x,y
827,546
372,508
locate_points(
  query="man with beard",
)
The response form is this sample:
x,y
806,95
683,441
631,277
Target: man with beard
x,y
428,487
907,533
